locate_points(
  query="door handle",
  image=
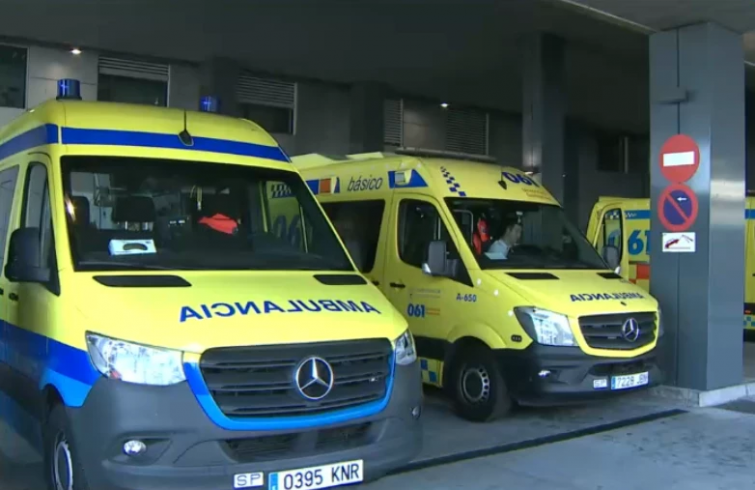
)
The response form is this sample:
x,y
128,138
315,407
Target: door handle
x,y
398,285
2,291
13,297
376,283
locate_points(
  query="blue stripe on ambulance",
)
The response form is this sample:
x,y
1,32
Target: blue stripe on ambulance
x,y
48,134
39,136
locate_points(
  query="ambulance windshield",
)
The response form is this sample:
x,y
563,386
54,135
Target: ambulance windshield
x,y
145,214
506,234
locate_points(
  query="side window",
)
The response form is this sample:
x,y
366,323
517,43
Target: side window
x,y
358,224
36,213
611,231
419,223
8,179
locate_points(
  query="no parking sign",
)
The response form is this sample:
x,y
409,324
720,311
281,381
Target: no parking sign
x,y
677,207
679,160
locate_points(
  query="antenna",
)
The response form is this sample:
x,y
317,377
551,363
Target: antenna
x,y
184,135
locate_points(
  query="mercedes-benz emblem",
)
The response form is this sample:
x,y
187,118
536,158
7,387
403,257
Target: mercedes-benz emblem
x,y
630,330
314,378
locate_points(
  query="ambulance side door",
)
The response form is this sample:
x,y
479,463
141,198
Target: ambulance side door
x,y
429,303
610,232
11,180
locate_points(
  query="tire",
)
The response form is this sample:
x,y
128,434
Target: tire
x,y
63,469
479,390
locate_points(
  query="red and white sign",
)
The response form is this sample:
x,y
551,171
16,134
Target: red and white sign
x,y
678,242
679,159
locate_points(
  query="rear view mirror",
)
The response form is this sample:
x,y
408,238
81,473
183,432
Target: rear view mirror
x,y
436,264
25,263
611,256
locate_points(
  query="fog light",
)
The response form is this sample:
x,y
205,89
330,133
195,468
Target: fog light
x,y
134,448
416,412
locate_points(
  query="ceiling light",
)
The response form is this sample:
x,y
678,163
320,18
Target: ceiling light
x,y
444,105
76,51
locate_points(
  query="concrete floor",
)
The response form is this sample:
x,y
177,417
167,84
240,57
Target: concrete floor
x,y
705,449
633,442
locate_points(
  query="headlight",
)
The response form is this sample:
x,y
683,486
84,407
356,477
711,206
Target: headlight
x,y
135,363
546,327
406,353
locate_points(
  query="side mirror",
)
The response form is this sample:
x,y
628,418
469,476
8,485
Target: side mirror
x,y
611,256
25,262
436,264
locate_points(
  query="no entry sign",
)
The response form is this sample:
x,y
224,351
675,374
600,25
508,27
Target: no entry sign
x,y
680,158
677,207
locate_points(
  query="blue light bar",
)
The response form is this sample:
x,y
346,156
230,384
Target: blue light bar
x,y
209,103
69,89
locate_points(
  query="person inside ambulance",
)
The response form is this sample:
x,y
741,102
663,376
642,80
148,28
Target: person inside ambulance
x,y
512,233
481,238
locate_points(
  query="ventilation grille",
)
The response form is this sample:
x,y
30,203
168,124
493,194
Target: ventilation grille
x,y
467,131
134,69
265,91
393,122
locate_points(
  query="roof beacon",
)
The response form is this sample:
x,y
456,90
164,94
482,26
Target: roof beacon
x,y
69,89
209,104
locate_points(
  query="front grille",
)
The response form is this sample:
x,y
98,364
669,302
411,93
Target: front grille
x,y
604,331
259,381
301,444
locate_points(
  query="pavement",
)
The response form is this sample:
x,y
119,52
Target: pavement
x,y
706,449
637,441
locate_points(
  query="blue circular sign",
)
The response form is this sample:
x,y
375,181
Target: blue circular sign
x,y
677,207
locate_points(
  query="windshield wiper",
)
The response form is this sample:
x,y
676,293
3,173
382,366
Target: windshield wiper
x,y
126,265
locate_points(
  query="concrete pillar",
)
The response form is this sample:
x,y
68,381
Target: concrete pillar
x,y
543,111
218,78
366,118
697,89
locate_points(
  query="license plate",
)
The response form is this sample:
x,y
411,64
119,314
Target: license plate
x,y
629,381
327,476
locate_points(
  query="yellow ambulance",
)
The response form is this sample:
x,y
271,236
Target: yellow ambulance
x,y
506,299
623,225
161,330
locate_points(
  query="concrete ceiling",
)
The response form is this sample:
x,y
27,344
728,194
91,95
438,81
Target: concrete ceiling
x,y
655,15
462,51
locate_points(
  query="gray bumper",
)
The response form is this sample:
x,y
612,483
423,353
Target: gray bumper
x,y
186,450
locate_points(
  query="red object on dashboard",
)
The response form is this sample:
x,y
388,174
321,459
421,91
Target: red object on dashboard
x,y
221,223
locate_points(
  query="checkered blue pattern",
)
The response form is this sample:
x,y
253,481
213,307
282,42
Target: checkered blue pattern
x,y
281,190
453,186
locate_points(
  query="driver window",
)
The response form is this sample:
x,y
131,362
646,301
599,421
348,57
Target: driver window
x,y
420,223
36,211
611,231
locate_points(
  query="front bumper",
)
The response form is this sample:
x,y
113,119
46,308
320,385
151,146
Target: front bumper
x,y
572,376
187,451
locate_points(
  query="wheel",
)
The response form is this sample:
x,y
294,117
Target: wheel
x,y
479,390
62,467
